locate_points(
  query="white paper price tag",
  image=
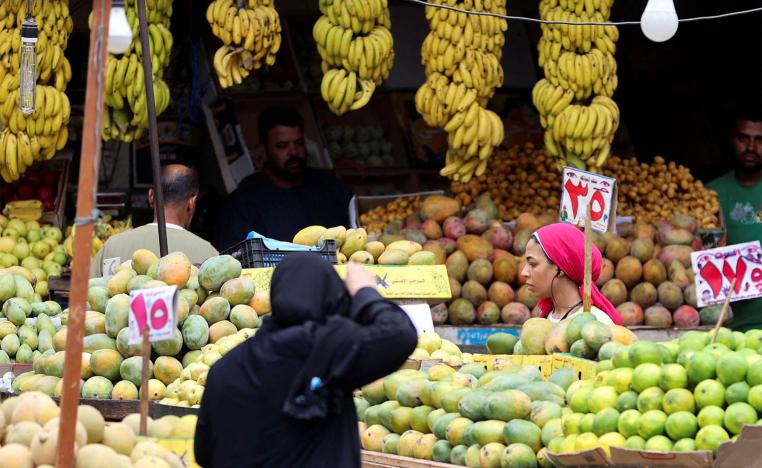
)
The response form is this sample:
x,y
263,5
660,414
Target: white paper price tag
x,y
715,269
420,315
110,265
580,189
157,308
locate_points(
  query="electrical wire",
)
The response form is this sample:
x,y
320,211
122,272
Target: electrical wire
x,y
573,23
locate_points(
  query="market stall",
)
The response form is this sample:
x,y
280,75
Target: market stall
x,y
457,154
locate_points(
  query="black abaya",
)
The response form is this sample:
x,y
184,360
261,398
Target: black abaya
x,y
258,408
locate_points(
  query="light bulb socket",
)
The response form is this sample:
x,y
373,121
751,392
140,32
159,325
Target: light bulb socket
x,y
29,30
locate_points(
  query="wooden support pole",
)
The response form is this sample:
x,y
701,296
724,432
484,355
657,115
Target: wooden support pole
x,y
153,132
86,192
587,285
146,356
724,310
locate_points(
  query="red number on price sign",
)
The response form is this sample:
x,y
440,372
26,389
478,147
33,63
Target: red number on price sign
x,y
716,269
582,188
156,308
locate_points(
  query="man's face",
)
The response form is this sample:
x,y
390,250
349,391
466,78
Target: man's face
x,y
747,144
285,155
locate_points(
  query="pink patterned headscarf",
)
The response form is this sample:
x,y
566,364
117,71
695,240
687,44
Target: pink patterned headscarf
x,y
564,244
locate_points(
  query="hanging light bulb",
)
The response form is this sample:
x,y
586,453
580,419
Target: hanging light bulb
x,y
659,20
28,63
119,30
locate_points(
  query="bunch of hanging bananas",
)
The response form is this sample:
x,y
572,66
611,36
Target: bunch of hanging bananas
x,y
251,33
461,55
37,136
355,43
574,98
125,116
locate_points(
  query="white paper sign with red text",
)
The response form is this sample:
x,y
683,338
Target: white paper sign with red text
x,y
580,189
156,307
715,269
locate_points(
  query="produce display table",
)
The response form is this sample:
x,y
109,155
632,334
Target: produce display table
x,y
116,410
474,338
383,460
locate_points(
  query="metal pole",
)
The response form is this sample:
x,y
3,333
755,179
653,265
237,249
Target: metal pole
x,y
153,134
86,194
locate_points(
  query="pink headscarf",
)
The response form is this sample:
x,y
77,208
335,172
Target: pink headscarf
x,y
564,244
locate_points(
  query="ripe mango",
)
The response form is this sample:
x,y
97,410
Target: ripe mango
x,y
409,247
338,234
375,248
355,240
362,256
393,257
423,258
439,207
309,236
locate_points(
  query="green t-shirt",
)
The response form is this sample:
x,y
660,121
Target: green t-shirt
x,y
742,210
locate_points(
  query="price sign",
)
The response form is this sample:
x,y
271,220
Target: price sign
x,y
156,308
419,313
715,269
580,189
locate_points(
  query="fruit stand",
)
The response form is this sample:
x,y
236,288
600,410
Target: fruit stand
x,y
490,383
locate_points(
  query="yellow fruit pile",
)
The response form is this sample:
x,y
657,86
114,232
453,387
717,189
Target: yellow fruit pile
x,y
574,98
250,31
462,59
376,219
656,191
520,179
355,43
29,138
126,113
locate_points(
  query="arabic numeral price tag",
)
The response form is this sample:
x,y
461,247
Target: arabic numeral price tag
x,y
581,189
715,270
154,308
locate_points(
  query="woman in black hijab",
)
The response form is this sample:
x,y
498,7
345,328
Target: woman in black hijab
x,y
284,397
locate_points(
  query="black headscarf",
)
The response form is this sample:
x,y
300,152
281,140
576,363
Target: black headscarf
x,y
307,291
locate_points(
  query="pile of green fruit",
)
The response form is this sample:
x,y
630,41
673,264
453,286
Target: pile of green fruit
x,y
467,417
683,395
215,314
365,144
26,327
581,336
37,248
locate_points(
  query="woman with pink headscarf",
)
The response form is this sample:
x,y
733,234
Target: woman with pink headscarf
x,y
554,273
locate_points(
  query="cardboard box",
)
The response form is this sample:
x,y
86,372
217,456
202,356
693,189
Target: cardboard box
x,y
744,452
359,205
596,457
627,457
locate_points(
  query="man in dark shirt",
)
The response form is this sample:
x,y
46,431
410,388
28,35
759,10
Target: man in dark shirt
x,y
286,195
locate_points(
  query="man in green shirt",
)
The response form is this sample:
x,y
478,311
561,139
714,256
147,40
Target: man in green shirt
x,y
740,194
181,186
